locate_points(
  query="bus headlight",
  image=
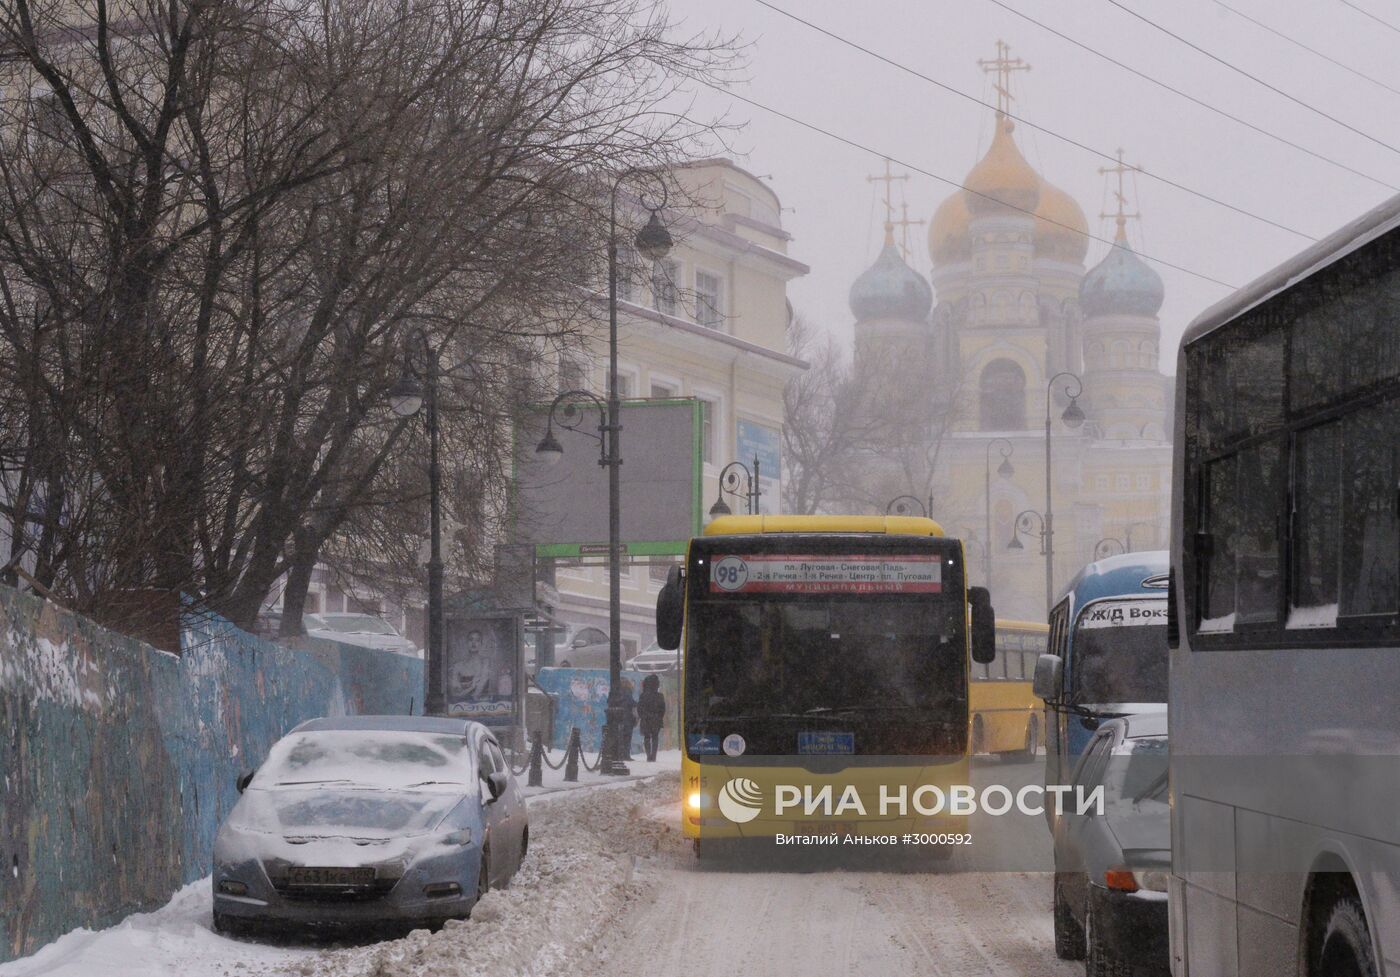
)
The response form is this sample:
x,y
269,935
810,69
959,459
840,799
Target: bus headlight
x,y
695,800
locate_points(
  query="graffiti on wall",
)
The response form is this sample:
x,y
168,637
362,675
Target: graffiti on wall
x,y
122,759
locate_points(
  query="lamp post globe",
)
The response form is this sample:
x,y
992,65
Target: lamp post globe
x,y
1073,415
406,396
653,241
549,450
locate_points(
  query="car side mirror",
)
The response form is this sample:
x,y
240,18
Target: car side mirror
x,y
1049,675
244,779
670,610
495,784
984,625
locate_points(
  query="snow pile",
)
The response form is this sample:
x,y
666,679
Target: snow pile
x,y
174,941
588,864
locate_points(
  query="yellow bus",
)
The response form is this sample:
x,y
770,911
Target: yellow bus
x,y
825,664
1005,712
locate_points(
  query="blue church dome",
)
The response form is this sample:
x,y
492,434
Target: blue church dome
x,y
890,289
1121,284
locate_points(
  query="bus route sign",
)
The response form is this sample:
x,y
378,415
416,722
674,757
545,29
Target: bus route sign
x,y
807,574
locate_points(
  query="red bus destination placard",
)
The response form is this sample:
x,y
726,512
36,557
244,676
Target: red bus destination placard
x,y
853,574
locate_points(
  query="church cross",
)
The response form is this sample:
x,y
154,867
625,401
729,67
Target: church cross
x,y
1120,169
1004,66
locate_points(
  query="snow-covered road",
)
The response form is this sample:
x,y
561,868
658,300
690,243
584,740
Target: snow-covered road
x,y
610,888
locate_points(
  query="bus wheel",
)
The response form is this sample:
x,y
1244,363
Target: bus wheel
x,y
1346,943
1032,746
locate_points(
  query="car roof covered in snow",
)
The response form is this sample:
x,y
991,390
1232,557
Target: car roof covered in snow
x,y
389,724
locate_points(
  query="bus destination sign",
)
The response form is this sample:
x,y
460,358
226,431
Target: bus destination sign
x,y
915,573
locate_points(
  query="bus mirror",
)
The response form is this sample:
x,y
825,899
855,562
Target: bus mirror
x,y
670,610
984,625
1049,673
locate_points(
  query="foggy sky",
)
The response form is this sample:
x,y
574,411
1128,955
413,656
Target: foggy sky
x,y
835,216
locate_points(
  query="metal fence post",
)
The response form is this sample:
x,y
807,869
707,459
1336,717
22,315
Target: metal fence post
x,y
536,758
571,756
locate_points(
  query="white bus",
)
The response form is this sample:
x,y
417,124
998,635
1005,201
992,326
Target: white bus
x,y
1285,627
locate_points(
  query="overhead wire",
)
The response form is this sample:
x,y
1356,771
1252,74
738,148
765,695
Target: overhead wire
x,y
1027,122
1255,78
1311,50
879,154
1364,12
1323,157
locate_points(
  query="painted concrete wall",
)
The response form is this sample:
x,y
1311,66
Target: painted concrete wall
x,y
120,760
581,699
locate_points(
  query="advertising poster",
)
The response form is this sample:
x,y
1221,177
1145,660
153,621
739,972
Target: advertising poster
x,y
483,658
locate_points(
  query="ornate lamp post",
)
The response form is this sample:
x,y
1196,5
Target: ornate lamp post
x,y
419,385
653,242
903,505
1073,417
1004,470
1104,547
729,481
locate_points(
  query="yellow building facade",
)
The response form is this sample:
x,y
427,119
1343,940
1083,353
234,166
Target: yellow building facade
x,y
1013,309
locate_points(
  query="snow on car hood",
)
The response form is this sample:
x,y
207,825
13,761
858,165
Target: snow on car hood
x,y
338,812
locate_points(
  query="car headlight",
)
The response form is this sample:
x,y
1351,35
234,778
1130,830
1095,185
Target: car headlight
x,y
462,836
1154,881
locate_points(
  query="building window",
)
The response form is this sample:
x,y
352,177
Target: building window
x,y
573,374
707,431
662,391
625,385
628,264
664,294
1123,482
1003,396
1144,483
1101,483
709,299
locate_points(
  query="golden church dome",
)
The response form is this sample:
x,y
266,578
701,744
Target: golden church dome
x,y
1003,180
1061,232
948,237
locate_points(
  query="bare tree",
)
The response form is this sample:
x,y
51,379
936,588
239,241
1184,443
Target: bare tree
x,y
218,223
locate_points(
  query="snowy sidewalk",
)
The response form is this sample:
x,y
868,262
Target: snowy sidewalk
x,y
585,839
668,761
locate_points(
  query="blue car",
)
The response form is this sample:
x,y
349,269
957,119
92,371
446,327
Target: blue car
x,y
369,820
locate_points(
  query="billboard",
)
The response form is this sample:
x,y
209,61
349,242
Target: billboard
x,y
483,667
755,440
562,509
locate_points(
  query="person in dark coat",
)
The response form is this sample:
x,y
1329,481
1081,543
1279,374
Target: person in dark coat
x,y
651,715
629,724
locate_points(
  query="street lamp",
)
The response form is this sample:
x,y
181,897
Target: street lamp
x,y
729,481
652,242
1073,418
1104,547
1031,523
903,505
1004,470
419,384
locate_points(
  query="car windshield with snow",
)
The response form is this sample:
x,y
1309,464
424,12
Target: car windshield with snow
x,y
370,820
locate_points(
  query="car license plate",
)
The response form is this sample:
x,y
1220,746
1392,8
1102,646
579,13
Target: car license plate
x,y
307,875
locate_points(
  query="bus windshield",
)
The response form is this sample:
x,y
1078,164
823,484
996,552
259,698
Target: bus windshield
x,y
1120,652
870,673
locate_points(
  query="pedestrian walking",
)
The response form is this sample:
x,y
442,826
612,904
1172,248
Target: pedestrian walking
x,y
629,723
651,715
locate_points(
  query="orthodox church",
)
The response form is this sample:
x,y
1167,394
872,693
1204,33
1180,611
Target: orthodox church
x,y
1021,358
